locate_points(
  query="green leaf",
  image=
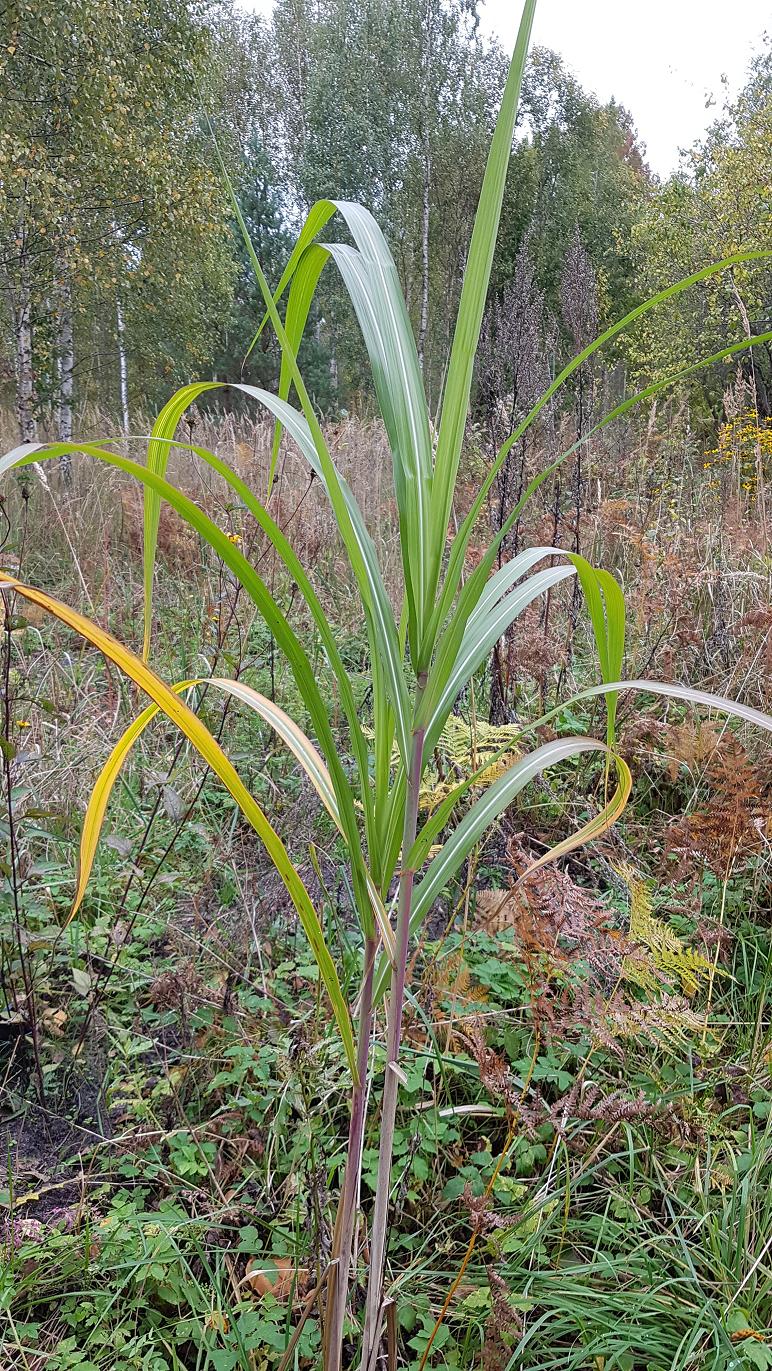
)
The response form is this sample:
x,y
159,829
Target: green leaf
x,y
261,596
351,526
606,607
374,289
304,282
473,298
461,541
674,692
482,632
484,812
139,672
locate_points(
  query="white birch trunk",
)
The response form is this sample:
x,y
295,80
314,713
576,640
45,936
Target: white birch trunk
x,y
123,366
25,373
66,369
424,320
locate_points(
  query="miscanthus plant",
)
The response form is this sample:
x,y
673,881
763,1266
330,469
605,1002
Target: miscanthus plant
x,y
421,659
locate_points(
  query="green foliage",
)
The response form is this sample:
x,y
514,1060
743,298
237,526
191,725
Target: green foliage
x,y
143,1278
107,189
262,201
342,69
664,951
579,166
707,209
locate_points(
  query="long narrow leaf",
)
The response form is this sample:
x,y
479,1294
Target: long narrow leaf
x,y
473,297
163,430
675,692
487,809
461,541
472,591
480,638
397,379
298,574
319,214
367,573
606,608
296,740
357,540
304,282
193,729
259,593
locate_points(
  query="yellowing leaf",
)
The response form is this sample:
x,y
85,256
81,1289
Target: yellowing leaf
x,y
214,756
301,747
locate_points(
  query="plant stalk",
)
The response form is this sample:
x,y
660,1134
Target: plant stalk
x,y
340,1272
374,1309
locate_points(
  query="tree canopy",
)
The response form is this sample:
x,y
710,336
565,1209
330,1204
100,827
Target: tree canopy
x,y
121,270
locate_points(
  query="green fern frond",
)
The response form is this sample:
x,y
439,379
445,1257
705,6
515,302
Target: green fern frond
x,y
464,747
663,950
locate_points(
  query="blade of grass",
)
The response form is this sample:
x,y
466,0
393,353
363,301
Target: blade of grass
x,y
481,636
473,299
210,750
461,541
260,595
484,812
359,546
296,740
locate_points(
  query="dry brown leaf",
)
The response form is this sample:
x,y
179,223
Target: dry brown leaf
x,y
278,1277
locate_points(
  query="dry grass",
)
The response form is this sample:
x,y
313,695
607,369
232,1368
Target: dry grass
x,y
691,556
694,564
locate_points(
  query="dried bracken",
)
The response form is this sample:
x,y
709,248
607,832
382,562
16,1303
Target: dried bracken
x,y
586,1103
585,974
669,1020
482,1218
495,1074
503,1326
734,823
176,989
562,909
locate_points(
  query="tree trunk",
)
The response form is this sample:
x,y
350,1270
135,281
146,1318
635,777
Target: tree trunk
x,y
424,321
25,374
65,368
427,19
123,367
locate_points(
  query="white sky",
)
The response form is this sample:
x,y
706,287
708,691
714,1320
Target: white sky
x,y
662,59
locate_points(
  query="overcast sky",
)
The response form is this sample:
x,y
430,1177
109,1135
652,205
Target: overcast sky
x,y
663,59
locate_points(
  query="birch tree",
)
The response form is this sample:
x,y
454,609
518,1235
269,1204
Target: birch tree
x,y
391,102
110,198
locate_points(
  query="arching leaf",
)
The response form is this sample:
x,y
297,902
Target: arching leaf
x,y
208,747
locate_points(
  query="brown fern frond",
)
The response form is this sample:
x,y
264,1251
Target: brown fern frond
x,y
504,1325
736,821
495,1074
668,1021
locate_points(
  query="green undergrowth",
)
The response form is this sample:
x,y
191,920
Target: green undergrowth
x,y
201,1116
605,1138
